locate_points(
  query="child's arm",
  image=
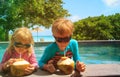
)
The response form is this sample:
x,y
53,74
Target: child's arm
x,y
80,66
33,64
1,67
46,56
4,63
33,60
5,66
75,51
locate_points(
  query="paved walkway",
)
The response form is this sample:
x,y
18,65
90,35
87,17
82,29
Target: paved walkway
x,y
92,70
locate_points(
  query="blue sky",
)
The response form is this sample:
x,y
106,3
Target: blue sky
x,y
80,9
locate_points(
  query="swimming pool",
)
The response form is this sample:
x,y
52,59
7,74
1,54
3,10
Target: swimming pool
x,y
91,52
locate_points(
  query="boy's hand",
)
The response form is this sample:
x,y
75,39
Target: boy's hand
x,y
50,68
76,74
80,66
50,62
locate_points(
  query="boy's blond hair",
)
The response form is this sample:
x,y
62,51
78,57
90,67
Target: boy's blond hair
x,y
62,26
21,34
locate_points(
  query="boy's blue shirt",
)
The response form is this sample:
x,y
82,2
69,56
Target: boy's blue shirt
x,y
53,48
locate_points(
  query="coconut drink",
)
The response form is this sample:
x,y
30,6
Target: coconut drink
x,y
18,67
66,65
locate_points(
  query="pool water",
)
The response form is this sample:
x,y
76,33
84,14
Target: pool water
x,y
89,53
100,54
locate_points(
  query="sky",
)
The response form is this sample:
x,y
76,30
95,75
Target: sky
x,y
80,9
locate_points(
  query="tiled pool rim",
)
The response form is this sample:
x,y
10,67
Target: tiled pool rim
x,y
80,42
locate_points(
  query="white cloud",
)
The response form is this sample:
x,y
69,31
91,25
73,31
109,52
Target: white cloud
x,y
74,18
112,3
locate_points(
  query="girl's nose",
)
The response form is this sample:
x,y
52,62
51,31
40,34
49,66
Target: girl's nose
x,y
21,50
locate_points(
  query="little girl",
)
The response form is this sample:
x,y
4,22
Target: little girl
x,y
21,46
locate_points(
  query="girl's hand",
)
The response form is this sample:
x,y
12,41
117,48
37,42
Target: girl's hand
x,y
8,63
50,68
29,69
80,66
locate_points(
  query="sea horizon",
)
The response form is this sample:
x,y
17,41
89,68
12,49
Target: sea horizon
x,y
43,38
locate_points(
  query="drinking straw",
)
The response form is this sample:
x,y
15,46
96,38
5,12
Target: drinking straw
x,y
20,55
64,52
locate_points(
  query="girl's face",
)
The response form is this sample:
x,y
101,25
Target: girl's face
x,y
21,47
62,40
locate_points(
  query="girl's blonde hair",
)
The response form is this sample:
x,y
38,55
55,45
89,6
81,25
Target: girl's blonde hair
x,y
21,34
62,26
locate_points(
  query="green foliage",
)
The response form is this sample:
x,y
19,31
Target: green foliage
x,y
18,13
115,22
98,28
2,34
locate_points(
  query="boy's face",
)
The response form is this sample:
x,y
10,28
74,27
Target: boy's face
x,y
62,40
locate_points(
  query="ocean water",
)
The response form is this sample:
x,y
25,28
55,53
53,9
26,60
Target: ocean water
x,y
43,38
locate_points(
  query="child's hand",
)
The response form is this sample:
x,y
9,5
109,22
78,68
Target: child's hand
x,y
76,74
80,66
50,68
8,63
29,69
50,61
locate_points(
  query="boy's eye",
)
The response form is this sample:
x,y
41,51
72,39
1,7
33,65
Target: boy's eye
x,y
65,39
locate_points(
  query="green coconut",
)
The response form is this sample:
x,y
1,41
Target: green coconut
x,y
18,67
66,65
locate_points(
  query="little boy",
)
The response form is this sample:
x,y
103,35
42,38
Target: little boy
x,y
62,30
